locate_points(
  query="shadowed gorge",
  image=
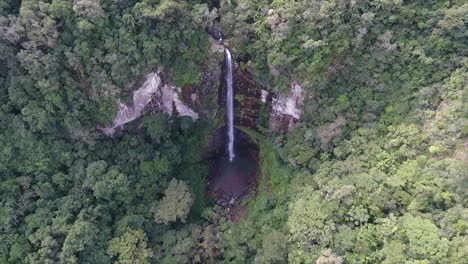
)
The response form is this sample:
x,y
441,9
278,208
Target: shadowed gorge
x,y
229,180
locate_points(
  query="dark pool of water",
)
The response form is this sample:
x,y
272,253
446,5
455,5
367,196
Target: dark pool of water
x,y
234,179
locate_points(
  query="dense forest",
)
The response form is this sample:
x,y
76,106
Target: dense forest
x,y
375,170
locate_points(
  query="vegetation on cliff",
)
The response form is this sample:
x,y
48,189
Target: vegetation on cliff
x,y
375,171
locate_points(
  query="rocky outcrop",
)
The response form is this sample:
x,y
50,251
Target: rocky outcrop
x,y
155,90
153,93
156,94
286,109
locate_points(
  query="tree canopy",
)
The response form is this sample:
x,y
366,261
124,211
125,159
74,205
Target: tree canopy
x,y
374,171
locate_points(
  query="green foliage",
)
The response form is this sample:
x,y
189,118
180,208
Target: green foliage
x,y
381,121
327,257
175,205
375,171
106,112
130,248
274,249
19,250
309,225
176,246
82,235
157,127
194,176
424,242
270,166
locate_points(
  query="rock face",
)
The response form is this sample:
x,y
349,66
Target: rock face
x,y
247,97
204,100
286,110
157,91
190,100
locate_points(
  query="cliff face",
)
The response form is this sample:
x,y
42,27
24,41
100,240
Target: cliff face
x,y
205,100
247,99
250,95
156,92
286,110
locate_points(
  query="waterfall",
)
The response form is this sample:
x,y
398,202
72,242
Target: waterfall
x,y
230,106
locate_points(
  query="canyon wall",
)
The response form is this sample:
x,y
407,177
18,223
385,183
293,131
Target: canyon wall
x,y
207,99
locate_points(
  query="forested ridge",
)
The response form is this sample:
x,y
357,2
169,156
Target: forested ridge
x,y
374,171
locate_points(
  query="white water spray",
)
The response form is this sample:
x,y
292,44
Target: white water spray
x,y
230,105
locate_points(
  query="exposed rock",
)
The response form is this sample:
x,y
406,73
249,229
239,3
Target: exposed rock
x,y
264,96
189,94
289,105
285,110
281,122
167,100
247,97
189,100
215,32
154,89
182,109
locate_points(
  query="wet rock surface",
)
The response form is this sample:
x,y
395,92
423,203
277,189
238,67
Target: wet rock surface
x,y
286,109
247,99
248,103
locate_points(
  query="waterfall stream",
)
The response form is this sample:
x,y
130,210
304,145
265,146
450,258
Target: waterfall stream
x,y
230,105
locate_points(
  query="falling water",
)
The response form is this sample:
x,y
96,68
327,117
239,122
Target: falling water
x,y
230,105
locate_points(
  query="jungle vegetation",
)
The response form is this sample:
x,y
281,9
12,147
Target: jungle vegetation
x,y
375,171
